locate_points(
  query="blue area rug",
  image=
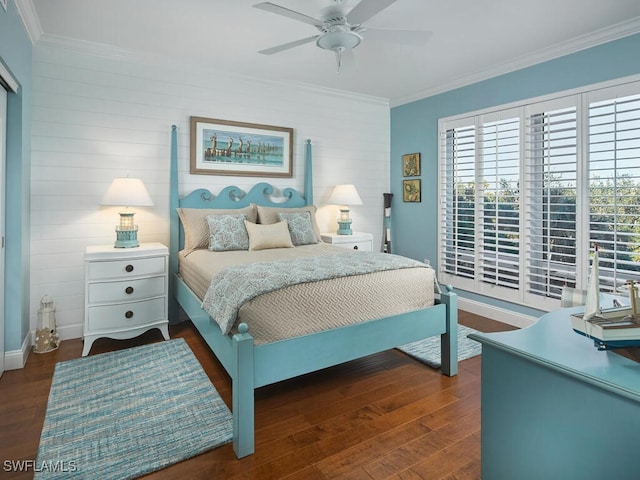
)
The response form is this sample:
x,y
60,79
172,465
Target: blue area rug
x,y
123,414
428,350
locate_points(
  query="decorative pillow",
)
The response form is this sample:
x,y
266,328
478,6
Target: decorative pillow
x,y
300,227
227,232
196,228
275,235
267,215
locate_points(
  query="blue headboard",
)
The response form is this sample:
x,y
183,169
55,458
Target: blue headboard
x,y
229,197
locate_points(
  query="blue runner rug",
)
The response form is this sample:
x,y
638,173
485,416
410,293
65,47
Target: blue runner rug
x,y
123,414
428,350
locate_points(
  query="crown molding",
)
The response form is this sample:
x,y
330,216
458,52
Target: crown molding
x,y
30,19
87,47
599,37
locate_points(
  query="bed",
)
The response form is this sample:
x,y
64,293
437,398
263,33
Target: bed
x,y
253,362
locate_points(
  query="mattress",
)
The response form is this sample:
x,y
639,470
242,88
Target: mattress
x,y
315,306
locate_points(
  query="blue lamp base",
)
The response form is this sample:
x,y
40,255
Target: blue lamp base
x,y
126,238
344,228
126,232
344,222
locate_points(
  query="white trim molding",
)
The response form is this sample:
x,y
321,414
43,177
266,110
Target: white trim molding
x,y
503,315
30,19
16,359
7,79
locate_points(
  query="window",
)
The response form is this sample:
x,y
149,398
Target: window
x,y
614,187
527,191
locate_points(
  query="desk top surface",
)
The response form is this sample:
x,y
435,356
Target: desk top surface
x,y
552,342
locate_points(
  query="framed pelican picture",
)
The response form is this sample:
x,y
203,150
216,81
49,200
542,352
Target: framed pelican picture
x,y
224,147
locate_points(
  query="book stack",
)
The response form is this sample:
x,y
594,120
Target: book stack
x,y
614,328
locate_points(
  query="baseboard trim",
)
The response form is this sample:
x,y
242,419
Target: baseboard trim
x,y
16,359
503,315
67,332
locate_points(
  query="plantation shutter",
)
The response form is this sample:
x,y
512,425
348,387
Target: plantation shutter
x,y
614,187
499,207
527,190
457,200
551,162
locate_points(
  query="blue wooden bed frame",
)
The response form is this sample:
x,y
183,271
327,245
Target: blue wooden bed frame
x,y
252,366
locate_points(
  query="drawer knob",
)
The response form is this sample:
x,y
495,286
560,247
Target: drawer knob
x,y
129,268
128,290
355,247
129,314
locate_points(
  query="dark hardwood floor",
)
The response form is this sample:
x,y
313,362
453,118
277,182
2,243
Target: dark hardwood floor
x,y
383,416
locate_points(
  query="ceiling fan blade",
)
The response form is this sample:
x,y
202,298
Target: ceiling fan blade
x,y
367,9
277,9
287,46
402,37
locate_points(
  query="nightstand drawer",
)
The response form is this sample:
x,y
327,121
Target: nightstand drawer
x,y
126,315
358,241
126,290
363,246
126,268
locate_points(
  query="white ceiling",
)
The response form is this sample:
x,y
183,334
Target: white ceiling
x,y
472,39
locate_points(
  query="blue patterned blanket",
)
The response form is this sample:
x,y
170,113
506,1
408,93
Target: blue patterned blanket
x,y
233,286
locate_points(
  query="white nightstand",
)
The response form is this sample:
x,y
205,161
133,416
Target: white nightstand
x,y
126,292
357,241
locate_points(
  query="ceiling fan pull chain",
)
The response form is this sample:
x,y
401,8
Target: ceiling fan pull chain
x,y
339,57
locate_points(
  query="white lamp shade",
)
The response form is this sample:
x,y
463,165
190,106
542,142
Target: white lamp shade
x,y
127,192
345,195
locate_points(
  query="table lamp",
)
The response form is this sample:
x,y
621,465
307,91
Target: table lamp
x,y
345,195
127,192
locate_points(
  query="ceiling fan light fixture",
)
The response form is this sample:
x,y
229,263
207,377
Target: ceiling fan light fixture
x,y
339,39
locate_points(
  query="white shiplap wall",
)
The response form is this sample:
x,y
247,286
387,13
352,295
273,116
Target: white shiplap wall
x,y
96,117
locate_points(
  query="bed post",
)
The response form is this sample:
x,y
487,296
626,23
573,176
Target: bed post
x,y
243,393
449,340
308,174
173,227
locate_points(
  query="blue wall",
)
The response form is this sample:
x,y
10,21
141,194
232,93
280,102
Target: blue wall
x,y
414,128
15,54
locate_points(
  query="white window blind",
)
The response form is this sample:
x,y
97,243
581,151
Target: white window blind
x,y
499,206
614,188
526,192
551,170
457,228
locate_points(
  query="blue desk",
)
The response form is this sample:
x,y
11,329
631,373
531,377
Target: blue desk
x,y
554,407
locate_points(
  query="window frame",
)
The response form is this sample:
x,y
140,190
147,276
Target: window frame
x,y
580,99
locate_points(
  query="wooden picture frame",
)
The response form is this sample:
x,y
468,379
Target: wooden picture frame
x,y
411,191
224,147
411,165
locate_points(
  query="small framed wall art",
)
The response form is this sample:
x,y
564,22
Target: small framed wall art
x,y
411,191
411,165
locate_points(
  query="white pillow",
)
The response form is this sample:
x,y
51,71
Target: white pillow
x,y
274,235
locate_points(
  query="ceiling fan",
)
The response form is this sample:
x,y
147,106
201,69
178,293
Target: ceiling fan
x,y
340,31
